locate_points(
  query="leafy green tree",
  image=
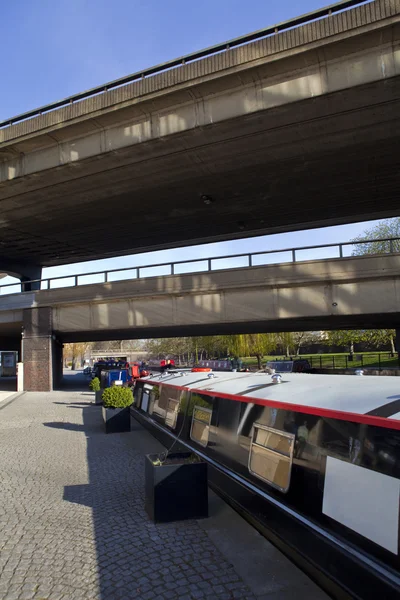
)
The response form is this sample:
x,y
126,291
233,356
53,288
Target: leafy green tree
x,y
376,338
346,338
76,353
260,344
389,228
286,342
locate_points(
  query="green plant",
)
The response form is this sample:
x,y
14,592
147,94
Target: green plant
x,y
117,397
94,385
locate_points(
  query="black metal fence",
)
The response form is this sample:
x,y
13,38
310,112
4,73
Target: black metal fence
x,y
371,360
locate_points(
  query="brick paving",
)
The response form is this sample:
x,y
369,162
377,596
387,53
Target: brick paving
x,y
72,520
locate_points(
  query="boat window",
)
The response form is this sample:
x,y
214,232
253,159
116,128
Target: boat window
x,y
172,412
138,395
200,428
146,397
166,405
270,457
154,393
165,393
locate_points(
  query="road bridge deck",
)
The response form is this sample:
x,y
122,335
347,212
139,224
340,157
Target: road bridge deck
x,y
294,130
73,525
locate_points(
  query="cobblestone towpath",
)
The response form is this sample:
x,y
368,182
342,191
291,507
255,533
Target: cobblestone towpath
x,y
72,520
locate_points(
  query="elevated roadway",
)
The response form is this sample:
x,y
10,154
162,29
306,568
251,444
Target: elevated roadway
x,y
292,127
350,292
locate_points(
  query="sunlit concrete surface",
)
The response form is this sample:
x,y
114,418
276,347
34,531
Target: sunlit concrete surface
x,y
73,525
5,395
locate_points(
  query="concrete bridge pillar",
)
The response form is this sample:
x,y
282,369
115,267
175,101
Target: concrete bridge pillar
x,y
24,272
38,350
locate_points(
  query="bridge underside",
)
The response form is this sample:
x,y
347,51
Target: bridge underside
x,y
328,160
372,321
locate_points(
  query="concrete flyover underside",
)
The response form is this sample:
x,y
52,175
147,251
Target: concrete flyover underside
x,y
297,130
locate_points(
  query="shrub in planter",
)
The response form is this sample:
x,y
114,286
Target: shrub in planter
x,y
116,403
94,385
117,397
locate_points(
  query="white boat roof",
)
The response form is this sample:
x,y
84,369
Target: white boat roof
x,y
342,393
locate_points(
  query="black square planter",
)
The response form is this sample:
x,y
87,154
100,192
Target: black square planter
x,y
177,491
116,420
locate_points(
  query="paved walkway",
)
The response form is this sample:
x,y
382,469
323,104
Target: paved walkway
x,y
8,386
73,526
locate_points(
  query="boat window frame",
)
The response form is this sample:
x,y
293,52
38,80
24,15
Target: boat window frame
x,y
284,434
174,411
138,395
194,420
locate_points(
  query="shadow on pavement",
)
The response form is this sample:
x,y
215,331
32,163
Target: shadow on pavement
x,y
137,559
122,530
8,384
75,381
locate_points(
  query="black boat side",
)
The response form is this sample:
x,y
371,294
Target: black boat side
x,y
269,460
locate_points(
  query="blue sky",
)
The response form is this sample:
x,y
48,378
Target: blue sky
x,y
58,48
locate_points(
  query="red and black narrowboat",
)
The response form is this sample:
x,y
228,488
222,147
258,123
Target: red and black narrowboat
x,y
313,461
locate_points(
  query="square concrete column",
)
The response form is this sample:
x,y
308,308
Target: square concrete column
x,y
37,350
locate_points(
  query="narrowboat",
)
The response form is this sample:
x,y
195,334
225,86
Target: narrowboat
x,y
312,461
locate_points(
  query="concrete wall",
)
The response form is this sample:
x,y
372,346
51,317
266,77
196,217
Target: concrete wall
x,y
309,295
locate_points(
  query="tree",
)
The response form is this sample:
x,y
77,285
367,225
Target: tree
x,y
305,337
376,338
75,352
135,345
286,341
260,344
346,338
389,228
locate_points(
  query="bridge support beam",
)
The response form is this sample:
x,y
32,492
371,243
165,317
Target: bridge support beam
x,y
39,354
24,272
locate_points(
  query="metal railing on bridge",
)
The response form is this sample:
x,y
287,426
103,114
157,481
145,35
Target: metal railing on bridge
x,y
326,11
343,250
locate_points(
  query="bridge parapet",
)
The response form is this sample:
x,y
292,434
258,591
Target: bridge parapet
x,y
301,32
